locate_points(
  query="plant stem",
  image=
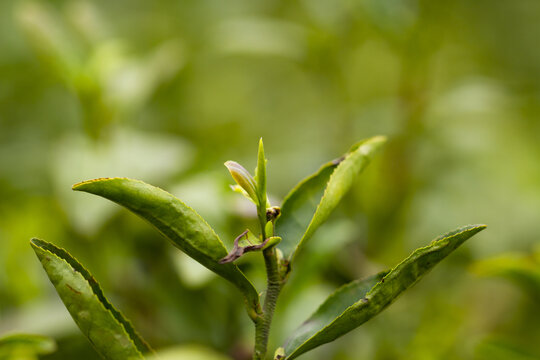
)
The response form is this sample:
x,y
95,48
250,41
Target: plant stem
x,y
274,284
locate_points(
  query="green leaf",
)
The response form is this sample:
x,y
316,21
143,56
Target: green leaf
x,y
25,346
260,177
299,206
332,308
310,203
356,303
178,222
105,327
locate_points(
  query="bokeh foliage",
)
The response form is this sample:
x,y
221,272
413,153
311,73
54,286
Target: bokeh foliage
x,y
166,91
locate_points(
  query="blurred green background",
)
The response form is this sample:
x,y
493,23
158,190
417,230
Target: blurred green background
x,y
166,91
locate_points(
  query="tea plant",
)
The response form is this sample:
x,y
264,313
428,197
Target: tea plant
x,y
283,232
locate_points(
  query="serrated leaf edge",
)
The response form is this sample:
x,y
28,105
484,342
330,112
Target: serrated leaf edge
x,y
60,253
250,294
439,239
77,187
376,140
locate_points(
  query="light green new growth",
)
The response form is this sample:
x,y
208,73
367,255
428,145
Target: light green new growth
x,y
260,177
244,179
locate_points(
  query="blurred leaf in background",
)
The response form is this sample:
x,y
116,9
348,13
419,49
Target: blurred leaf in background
x,y
25,347
523,270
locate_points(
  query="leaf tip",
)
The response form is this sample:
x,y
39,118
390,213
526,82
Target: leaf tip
x,y
468,230
36,243
478,227
474,227
40,247
377,141
261,147
380,138
82,186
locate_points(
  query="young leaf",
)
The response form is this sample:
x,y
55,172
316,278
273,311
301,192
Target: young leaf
x,y
24,346
178,222
105,327
244,179
260,177
238,189
310,203
300,205
356,303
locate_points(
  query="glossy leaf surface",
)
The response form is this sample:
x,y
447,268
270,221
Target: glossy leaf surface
x,y
105,327
356,303
187,230
310,203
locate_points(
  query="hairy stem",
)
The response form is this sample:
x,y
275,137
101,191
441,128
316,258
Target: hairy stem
x,y
274,284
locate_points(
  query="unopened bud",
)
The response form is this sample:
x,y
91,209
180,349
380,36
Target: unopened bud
x,y
272,213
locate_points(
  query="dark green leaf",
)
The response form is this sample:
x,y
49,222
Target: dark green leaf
x,y
109,332
356,303
178,222
310,203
